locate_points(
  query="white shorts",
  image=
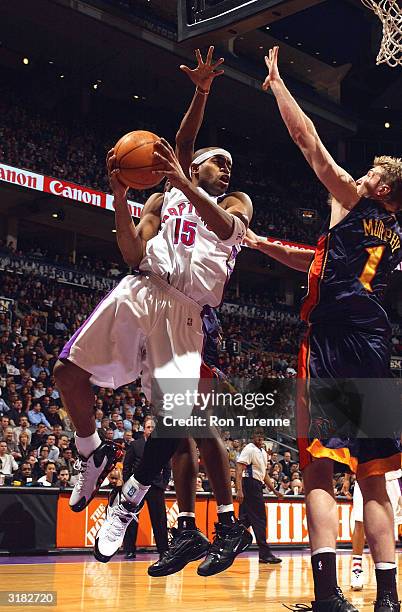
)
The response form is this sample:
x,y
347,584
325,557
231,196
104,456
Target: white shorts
x,y
394,494
143,327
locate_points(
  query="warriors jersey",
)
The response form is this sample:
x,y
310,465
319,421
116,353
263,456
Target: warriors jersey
x,y
351,270
188,255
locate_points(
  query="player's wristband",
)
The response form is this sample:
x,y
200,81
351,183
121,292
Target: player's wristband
x,y
203,92
238,233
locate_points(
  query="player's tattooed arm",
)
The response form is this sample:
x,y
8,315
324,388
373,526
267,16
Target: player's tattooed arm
x,y
302,130
219,219
202,76
298,260
132,239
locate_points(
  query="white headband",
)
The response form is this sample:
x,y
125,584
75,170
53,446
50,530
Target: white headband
x,y
207,155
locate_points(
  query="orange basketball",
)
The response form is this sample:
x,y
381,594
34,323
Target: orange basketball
x,y
134,158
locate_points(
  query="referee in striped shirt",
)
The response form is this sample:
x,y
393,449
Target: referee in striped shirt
x,y
251,476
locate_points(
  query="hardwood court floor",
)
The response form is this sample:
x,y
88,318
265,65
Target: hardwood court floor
x,y
85,584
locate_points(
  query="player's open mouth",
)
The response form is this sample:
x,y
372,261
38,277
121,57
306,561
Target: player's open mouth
x,y
225,178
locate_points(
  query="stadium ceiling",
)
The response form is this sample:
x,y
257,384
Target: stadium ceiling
x,y
101,40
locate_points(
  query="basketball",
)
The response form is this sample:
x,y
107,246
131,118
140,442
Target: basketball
x,y
134,158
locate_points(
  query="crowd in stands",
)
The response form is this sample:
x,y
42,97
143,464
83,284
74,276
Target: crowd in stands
x,y
75,150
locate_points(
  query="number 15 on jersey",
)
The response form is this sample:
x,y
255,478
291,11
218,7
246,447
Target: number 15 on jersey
x,y
184,232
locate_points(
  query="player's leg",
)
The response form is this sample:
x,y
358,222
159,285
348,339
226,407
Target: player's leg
x,y
231,536
185,470
357,574
173,359
97,458
323,525
358,537
379,526
188,543
90,357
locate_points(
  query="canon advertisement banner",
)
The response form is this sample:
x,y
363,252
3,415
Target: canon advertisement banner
x,y
86,195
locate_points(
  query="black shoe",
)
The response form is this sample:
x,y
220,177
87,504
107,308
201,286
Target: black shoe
x,y
387,604
229,541
336,603
186,545
130,556
270,559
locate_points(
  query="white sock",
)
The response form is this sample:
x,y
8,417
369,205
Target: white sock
x,y
133,491
357,561
385,566
87,445
319,551
186,514
227,508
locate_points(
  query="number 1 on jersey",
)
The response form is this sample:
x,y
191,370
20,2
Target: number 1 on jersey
x,y
184,231
370,269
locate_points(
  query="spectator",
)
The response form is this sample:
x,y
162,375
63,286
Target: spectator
x,y
4,424
297,486
54,451
127,438
48,480
284,487
36,415
23,447
24,474
39,435
67,460
22,428
286,463
199,487
4,408
8,465
53,416
63,479
98,417
128,419
118,433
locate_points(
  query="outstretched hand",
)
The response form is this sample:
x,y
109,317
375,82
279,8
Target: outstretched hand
x,y
169,164
251,239
205,72
271,61
119,190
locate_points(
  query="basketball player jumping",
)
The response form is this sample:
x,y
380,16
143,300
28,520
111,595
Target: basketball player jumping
x,y
151,321
231,538
348,337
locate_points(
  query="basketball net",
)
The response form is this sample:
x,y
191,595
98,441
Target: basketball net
x,y
390,15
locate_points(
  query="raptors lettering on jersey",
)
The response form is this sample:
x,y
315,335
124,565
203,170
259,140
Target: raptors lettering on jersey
x,y
187,254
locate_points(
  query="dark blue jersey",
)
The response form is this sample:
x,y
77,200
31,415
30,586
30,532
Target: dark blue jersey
x,y
351,270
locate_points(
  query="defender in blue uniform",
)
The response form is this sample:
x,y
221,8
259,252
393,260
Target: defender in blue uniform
x,y
348,337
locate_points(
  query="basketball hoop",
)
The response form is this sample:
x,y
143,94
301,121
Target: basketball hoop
x,y
390,14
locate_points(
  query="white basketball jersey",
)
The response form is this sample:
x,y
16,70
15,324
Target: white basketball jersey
x,y
188,255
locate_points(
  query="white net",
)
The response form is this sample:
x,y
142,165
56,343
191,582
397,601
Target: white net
x,y
390,14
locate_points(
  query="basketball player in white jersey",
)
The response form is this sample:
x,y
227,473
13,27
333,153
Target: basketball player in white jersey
x,y
358,537
231,537
150,323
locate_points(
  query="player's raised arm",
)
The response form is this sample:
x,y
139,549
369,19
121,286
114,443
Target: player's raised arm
x,y
302,130
202,76
298,260
228,221
131,239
